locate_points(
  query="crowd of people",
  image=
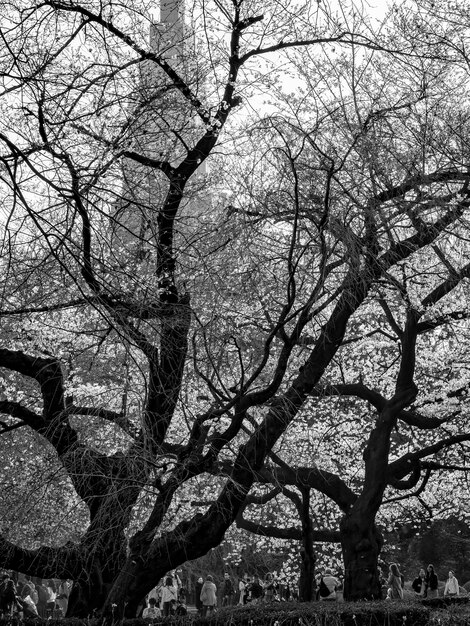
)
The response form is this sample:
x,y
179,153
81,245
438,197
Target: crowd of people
x,y
170,596
33,600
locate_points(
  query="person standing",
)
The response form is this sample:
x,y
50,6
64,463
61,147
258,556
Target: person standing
x,y
431,583
395,589
241,590
270,587
452,585
51,598
256,590
42,601
418,584
227,591
197,591
169,597
8,593
208,596
63,593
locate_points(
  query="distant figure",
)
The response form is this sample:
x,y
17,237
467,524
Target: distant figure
x,y
452,585
247,590
227,591
418,584
430,583
256,590
270,588
62,599
181,609
395,589
27,588
42,600
176,581
198,589
331,583
28,607
318,579
382,582
169,597
241,591
8,593
208,596
51,598
152,611
3,583
155,593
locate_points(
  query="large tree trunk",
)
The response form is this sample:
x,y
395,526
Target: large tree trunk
x,y
87,596
361,543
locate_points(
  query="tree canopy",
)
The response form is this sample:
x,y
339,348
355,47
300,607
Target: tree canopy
x,y
208,298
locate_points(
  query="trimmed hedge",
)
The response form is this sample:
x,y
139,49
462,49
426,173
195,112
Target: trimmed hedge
x,y
445,602
380,613
383,613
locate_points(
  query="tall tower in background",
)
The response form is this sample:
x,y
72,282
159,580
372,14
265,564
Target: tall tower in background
x,y
161,125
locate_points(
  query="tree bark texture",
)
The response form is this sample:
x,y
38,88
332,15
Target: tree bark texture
x,y
361,543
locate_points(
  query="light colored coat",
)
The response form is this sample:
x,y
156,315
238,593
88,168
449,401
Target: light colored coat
x,y
452,587
169,593
209,593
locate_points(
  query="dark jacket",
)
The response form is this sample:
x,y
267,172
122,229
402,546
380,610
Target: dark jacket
x,y
198,589
417,584
431,581
227,588
256,590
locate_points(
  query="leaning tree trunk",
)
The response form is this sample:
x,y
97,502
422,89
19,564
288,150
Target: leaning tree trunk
x,y
361,543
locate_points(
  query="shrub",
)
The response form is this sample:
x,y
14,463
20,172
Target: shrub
x,y
384,613
380,613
